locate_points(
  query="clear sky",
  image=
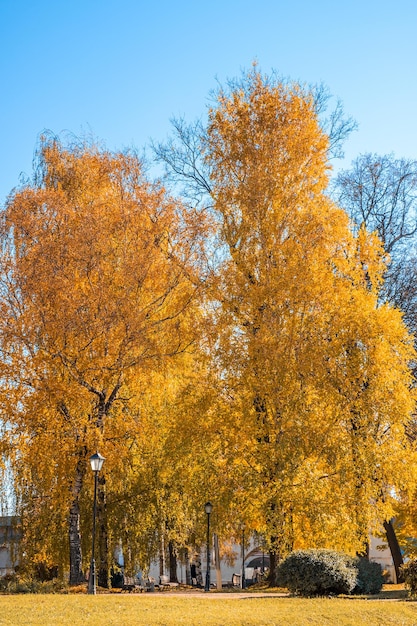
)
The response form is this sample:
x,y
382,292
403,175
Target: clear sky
x,y
120,69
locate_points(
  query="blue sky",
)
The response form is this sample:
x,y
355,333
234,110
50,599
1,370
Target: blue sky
x,y
119,70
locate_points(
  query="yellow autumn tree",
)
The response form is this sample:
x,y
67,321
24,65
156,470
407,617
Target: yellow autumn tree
x,y
98,280
313,367
321,367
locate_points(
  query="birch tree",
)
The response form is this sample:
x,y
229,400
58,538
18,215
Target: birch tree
x,y
316,368
98,275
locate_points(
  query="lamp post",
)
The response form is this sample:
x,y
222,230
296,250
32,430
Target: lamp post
x,y
242,528
96,461
208,509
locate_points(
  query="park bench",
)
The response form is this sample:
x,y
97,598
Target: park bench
x,y
130,583
164,583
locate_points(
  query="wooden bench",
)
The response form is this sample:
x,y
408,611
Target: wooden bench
x,y
131,584
164,583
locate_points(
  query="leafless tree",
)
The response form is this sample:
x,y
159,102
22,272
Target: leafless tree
x,y
333,119
381,193
182,155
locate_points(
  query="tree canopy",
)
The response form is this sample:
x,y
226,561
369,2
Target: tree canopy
x,y
319,367
230,344
98,278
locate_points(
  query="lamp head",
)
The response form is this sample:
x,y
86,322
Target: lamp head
x,y
96,461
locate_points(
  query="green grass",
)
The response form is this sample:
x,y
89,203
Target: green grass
x,y
165,609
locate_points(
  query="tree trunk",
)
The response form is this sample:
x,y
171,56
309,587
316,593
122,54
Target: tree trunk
x,y
273,561
188,580
127,552
75,552
173,576
162,554
393,544
76,575
217,562
103,539
281,540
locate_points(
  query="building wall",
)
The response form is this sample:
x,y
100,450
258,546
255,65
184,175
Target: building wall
x,y
9,534
378,552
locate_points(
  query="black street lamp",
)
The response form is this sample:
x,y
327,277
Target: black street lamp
x,y
208,509
242,528
96,461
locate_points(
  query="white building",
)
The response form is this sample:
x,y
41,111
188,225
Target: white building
x,y
256,563
9,533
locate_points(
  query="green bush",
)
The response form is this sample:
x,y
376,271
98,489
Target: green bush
x,y
410,576
324,572
317,573
14,583
370,578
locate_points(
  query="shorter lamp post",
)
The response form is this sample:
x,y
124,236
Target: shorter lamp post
x,y
242,528
96,461
208,507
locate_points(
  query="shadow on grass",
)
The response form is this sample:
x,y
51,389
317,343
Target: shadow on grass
x,y
391,592
388,592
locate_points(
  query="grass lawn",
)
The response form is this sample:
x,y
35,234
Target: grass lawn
x,y
166,609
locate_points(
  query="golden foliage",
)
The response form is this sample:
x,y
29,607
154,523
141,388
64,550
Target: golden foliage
x,y
287,401
319,370
98,279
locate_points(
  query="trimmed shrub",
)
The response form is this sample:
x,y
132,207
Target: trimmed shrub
x,y
324,572
410,576
317,573
370,578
